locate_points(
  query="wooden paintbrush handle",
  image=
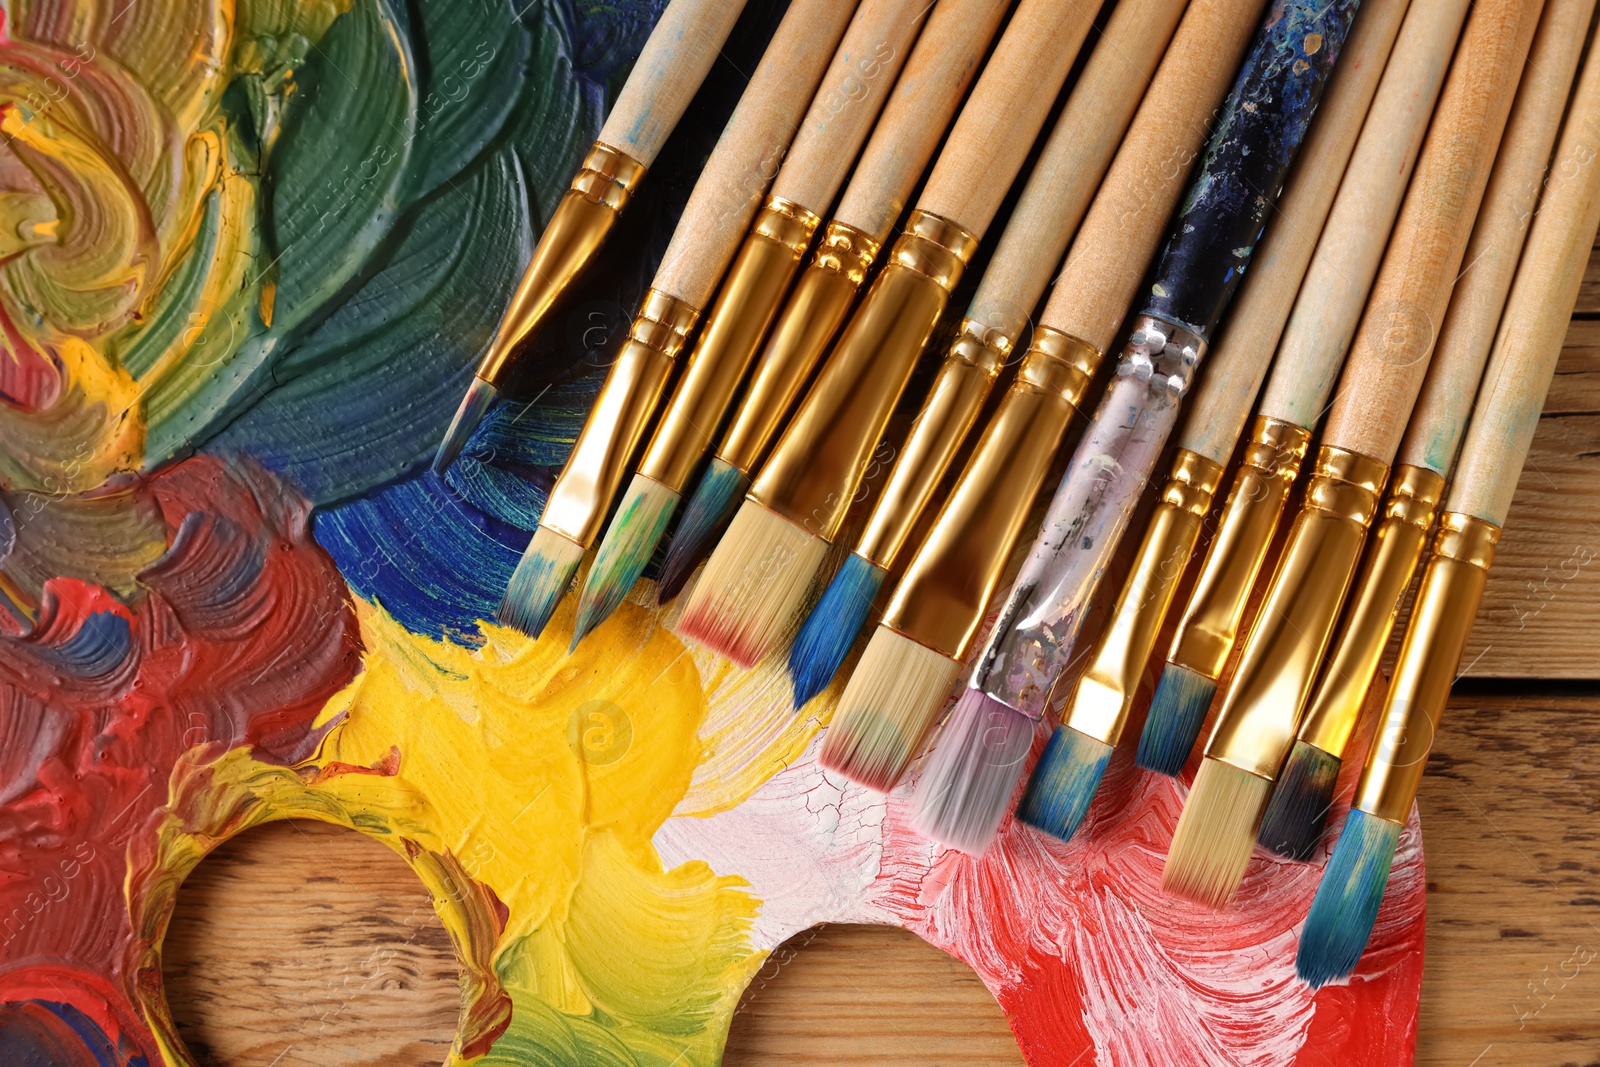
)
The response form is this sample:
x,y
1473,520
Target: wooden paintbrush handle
x,y
996,128
750,150
1325,313
1069,170
1536,317
667,74
1442,407
935,78
1395,337
1239,360
1130,211
852,91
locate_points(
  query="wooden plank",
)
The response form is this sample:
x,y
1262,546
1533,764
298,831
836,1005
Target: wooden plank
x,y
311,944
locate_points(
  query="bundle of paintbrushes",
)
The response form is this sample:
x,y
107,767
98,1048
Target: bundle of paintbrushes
x,y
913,657
1503,419
961,800
1262,706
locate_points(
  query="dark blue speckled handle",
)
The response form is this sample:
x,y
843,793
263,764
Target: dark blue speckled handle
x,y
1246,160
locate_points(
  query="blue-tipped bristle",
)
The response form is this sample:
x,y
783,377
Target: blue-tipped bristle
x,y
1300,801
480,394
542,578
1176,714
973,772
832,626
1347,900
629,543
710,509
1064,782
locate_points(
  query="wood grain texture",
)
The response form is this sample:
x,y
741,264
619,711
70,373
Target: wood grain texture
x,y
750,151
1075,158
1389,354
848,100
1505,414
270,930
935,78
667,74
997,125
1239,360
1440,416
1334,290
1112,250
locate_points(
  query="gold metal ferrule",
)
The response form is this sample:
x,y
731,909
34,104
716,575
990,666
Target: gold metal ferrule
x,y
1210,623
744,308
958,393
1390,562
941,599
1103,695
598,193
809,319
816,468
1441,621
610,436
1279,663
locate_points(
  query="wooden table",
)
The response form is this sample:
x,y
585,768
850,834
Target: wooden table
x,y
301,944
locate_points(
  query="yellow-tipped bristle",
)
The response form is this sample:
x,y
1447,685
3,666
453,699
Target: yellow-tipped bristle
x,y
753,585
1216,833
887,709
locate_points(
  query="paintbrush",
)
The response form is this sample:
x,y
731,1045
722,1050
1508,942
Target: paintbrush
x,y
760,571
841,115
668,72
1260,711
935,79
721,206
1310,352
1292,825
973,771
1052,204
1266,117
1233,374
1504,418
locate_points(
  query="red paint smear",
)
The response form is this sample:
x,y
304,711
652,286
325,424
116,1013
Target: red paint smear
x,y
245,632
1078,939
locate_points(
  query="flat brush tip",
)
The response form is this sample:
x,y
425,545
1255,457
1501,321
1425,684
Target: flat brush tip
x,y
887,709
973,773
542,578
625,551
1216,834
828,632
1177,712
1064,782
1346,905
480,394
1298,810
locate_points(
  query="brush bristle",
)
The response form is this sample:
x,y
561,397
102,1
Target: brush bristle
x,y
710,508
973,773
888,706
1064,782
629,543
1300,801
831,628
753,585
1347,900
480,394
1216,834
1177,712
542,578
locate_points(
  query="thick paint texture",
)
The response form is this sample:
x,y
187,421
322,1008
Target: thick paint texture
x,y
239,298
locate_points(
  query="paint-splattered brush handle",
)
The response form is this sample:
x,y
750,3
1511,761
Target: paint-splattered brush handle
x,y
1211,239
1395,338
1440,417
